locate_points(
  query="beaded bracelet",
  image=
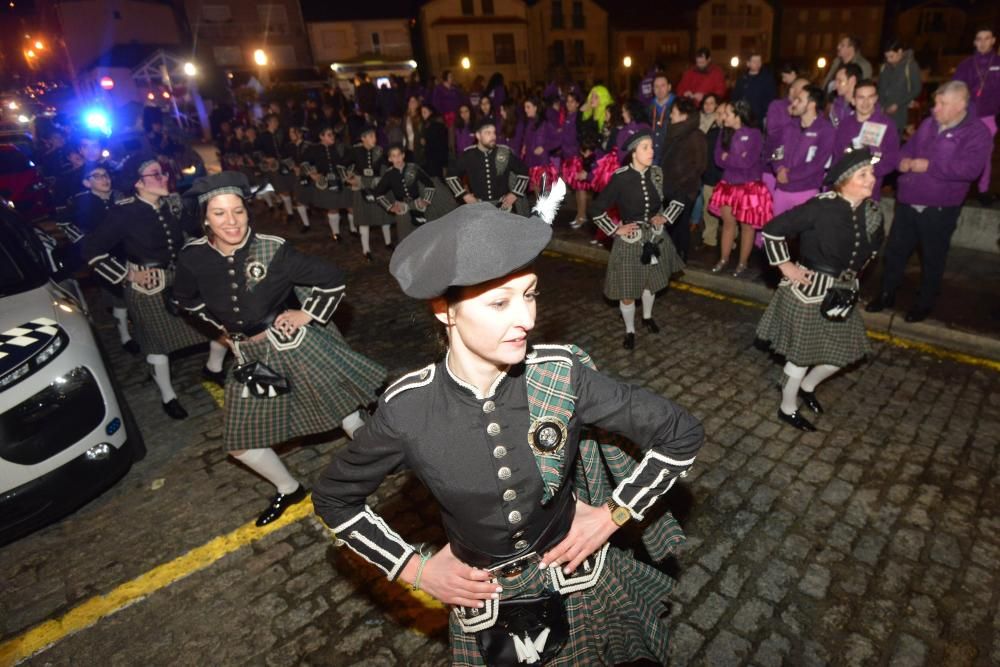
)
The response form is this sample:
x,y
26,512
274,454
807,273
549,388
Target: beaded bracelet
x,y
420,570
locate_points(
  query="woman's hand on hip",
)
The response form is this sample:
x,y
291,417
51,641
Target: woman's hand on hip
x,y
291,321
591,529
453,582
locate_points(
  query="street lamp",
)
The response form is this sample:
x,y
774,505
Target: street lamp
x,y
39,44
260,57
734,62
466,63
190,69
821,62
627,61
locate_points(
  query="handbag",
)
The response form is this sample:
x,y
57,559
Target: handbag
x,y
838,303
260,380
649,252
527,631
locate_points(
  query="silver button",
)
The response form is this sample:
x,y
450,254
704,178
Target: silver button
x,y
509,495
235,298
493,428
520,544
499,452
230,260
489,406
504,473
518,534
514,517
236,309
232,272
234,285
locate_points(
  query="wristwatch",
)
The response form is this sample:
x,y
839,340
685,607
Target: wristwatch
x,y
620,515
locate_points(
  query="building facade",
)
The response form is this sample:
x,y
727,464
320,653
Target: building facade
x,y
491,34
571,34
373,37
811,29
734,28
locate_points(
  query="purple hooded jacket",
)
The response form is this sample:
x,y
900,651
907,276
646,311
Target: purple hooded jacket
x,y
447,100
981,73
545,136
775,122
806,154
741,162
956,157
887,152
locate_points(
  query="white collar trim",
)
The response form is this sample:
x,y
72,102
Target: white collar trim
x,y
462,383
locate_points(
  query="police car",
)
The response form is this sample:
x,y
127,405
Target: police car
x,y
65,433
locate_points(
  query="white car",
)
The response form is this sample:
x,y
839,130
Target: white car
x,y
65,433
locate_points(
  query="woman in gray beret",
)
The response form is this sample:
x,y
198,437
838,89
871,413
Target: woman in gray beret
x,y
501,433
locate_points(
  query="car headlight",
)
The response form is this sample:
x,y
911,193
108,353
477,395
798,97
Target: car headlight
x,y
51,350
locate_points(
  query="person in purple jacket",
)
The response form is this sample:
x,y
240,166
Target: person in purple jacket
x,y
464,137
447,97
541,138
846,79
871,128
777,119
800,161
634,119
740,197
981,74
510,131
947,154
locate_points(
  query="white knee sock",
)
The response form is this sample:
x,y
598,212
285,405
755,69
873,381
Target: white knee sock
x,y
790,392
817,375
350,221
287,201
161,375
303,214
352,423
268,465
216,355
121,321
387,234
366,237
628,314
647,304
333,219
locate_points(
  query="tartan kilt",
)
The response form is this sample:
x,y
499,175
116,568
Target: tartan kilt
x,y
443,202
628,599
283,182
627,276
303,193
255,177
328,381
369,214
155,329
800,333
329,200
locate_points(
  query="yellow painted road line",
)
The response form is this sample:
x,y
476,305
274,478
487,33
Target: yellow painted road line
x,y
217,393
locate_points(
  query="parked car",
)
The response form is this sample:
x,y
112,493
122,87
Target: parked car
x,y
21,182
66,434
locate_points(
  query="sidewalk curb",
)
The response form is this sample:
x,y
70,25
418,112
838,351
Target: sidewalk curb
x,y
889,324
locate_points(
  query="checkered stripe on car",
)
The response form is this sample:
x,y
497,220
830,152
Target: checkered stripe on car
x,y
28,335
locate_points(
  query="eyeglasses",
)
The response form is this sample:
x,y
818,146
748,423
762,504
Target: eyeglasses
x,y
99,175
153,174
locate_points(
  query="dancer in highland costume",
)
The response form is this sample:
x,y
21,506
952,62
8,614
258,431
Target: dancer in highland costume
x,y
325,167
499,431
296,375
368,159
494,173
407,192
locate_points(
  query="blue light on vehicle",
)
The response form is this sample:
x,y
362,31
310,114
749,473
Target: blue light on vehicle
x,y
97,119
113,426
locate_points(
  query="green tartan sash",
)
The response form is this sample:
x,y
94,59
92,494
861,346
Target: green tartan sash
x,y
549,386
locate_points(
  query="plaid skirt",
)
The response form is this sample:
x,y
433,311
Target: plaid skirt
x,y
303,193
155,329
800,333
369,214
330,200
627,276
328,381
621,619
442,203
283,182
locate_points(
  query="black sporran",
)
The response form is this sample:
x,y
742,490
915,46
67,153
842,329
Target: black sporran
x,y
527,631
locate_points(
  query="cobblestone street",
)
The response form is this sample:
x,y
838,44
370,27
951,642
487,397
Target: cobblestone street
x,y
874,541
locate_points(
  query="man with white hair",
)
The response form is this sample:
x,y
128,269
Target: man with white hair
x,y
948,152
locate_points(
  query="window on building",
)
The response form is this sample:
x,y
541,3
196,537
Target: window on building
x,y
283,55
718,42
557,14
634,45
488,7
334,40
803,16
579,21
273,18
216,13
579,55
824,15
748,43
458,48
503,48
800,44
719,9
376,43
227,55
467,8
845,15
931,22
558,50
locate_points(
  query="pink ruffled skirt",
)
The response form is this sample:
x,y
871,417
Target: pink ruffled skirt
x,y
550,171
750,202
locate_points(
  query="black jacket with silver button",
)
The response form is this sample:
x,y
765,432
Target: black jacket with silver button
x,y
488,173
150,236
239,291
368,163
639,196
472,453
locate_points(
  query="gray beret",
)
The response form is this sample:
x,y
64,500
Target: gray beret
x,y
225,182
850,162
472,244
135,164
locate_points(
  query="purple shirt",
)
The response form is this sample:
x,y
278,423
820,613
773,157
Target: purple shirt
x,y
775,122
447,100
848,135
498,96
981,73
514,143
956,158
568,138
806,153
839,110
741,162
544,136
625,133
463,139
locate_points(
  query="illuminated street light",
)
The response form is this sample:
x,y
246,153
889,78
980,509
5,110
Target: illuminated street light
x,y
12,105
627,61
31,54
334,66
412,64
190,69
150,96
260,57
107,83
166,95
39,44
734,61
821,62
466,63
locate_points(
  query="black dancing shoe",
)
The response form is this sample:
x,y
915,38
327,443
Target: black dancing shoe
x,y
305,229
368,257
629,342
218,377
354,232
279,504
336,237
917,314
132,347
390,246
174,409
650,324
809,398
881,302
796,420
